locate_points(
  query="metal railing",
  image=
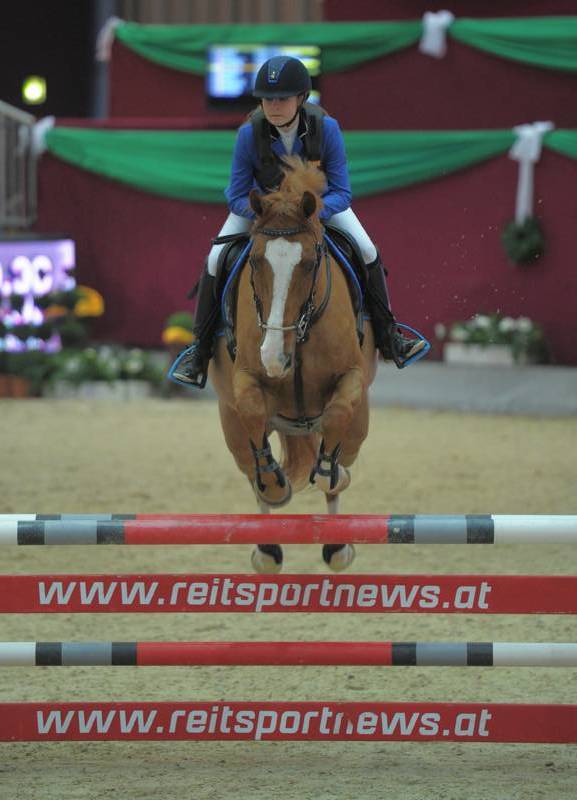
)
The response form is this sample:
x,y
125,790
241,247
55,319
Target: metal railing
x,y
17,168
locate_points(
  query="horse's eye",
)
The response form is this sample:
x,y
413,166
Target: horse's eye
x,y
307,264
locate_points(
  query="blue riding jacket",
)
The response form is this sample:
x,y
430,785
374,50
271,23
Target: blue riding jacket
x,y
337,196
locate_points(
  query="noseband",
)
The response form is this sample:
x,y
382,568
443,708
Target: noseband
x,y
309,313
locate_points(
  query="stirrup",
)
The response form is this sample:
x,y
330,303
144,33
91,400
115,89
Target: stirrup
x,y
177,374
421,352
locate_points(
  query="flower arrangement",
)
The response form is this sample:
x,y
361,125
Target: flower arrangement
x,y
105,363
64,316
521,335
32,350
66,311
178,329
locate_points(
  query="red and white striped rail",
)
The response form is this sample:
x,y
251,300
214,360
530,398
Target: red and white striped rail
x,y
381,654
241,593
279,721
150,529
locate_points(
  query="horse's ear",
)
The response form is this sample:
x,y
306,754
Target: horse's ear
x,y
255,200
308,204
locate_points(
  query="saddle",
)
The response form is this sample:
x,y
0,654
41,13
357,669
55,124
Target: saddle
x,y
348,247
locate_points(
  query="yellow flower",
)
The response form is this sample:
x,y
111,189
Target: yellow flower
x,y
90,303
175,334
54,311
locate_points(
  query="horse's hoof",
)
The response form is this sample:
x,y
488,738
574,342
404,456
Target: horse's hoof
x,y
267,559
338,556
343,482
275,496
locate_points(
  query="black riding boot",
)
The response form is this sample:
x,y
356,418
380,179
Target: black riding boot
x,y
192,365
388,338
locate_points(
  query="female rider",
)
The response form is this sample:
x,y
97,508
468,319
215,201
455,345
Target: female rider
x,y
285,127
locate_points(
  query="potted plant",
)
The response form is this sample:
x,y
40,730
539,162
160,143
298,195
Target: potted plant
x,y
28,349
493,339
104,372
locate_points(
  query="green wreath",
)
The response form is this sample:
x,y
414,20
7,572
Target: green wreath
x,y
524,242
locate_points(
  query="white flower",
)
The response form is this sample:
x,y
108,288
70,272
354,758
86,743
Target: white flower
x,y
440,330
524,324
72,365
105,352
459,334
507,324
481,321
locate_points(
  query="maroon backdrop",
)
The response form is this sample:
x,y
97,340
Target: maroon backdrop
x,y
440,239
466,89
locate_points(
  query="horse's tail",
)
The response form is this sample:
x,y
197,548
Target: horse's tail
x,y
299,455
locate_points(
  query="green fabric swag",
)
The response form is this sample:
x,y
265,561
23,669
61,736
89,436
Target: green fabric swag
x,y
563,141
549,42
343,44
195,165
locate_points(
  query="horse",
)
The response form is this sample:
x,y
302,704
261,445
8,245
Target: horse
x,y
300,366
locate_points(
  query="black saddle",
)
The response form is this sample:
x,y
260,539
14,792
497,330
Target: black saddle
x,y
349,248
234,245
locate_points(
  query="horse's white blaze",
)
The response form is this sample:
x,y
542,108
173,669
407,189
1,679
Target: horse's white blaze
x,y
283,256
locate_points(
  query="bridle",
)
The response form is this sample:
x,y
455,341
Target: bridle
x,y
309,313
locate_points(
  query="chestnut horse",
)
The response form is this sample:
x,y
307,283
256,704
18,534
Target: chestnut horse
x,y
299,369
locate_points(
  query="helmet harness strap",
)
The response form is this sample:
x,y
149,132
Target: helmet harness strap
x,y
297,112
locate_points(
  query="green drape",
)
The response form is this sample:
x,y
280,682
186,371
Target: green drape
x,y
563,141
543,41
343,44
188,165
195,165
380,161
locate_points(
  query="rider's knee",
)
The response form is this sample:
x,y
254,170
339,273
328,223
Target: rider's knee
x,y
212,260
369,253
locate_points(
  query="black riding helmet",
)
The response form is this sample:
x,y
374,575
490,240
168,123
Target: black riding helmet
x,y
282,76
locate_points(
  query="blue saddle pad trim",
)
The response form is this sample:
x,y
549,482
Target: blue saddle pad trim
x,y
335,250
231,279
345,264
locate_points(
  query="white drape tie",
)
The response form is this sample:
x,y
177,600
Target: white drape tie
x,y
33,137
527,151
434,37
105,38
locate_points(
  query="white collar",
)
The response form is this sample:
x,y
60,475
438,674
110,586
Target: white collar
x,y
285,132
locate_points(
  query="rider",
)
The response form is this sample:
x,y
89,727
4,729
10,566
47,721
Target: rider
x,y
286,121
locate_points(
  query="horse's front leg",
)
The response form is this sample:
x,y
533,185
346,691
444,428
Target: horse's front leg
x,y
330,476
269,481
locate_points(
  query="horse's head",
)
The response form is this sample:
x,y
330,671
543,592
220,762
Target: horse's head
x,y
285,261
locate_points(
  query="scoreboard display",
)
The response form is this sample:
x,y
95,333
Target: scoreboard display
x,y
232,70
30,269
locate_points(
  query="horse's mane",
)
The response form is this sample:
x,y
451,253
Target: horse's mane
x,y
299,177
302,176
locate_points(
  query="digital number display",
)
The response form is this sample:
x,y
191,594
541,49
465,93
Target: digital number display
x,y
232,69
28,271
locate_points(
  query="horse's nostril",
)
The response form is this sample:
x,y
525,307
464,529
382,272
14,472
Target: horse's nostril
x,y
288,360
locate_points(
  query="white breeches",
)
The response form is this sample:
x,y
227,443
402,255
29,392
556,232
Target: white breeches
x,y
346,221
